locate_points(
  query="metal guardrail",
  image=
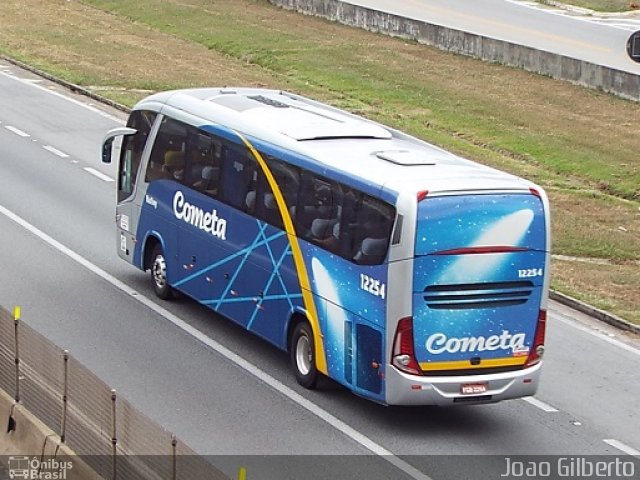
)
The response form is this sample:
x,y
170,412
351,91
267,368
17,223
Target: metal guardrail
x,y
116,440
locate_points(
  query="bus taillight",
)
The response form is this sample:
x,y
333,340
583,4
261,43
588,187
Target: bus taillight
x,y
403,357
422,195
535,192
537,349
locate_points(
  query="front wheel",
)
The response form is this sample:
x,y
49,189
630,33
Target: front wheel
x,y
159,274
303,359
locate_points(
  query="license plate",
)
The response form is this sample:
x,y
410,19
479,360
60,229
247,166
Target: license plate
x,y
473,388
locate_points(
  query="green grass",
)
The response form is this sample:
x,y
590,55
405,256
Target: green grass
x,y
602,5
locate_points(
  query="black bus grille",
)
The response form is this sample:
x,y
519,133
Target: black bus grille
x,y
477,295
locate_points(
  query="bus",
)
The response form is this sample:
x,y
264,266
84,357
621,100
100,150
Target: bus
x,y
408,274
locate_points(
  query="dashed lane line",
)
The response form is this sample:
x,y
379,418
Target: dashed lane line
x,y
623,447
55,151
98,174
61,154
540,404
17,131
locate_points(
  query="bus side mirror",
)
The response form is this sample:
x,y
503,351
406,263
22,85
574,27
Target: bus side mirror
x,y
106,150
107,143
633,46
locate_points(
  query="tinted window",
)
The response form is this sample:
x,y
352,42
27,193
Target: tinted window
x,y
168,154
287,177
343,220
187,155
374,221
238,177
203,163
318,211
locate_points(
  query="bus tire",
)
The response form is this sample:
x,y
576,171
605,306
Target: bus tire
x,y
303,358
159,274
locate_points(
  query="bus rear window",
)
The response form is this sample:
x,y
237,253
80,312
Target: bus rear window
x,y
457,222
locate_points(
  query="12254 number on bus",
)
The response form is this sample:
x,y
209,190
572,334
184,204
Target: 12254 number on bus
x,y
373,286
530,272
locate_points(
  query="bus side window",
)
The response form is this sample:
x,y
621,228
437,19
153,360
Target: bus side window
x,y
319,212
203,163
287,177
349,234
364,228
167,158
314,202
238,177
375,221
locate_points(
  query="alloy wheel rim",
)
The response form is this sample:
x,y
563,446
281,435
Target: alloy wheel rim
x,y
303,355
160,271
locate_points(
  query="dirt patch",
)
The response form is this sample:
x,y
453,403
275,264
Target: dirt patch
x,y
589,224
614,288
99,49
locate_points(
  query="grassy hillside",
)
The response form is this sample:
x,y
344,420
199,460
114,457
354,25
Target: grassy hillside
x,y
601,5
581,145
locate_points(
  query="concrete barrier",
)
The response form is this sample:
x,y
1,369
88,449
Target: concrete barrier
x,y
32,439
617,82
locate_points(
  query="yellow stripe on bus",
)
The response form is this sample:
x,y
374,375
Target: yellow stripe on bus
x,y
466,364
301,268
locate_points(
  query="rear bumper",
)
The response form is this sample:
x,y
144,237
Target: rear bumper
x,y
404,389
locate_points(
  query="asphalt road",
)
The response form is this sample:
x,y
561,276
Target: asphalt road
x,y
597,39
225,392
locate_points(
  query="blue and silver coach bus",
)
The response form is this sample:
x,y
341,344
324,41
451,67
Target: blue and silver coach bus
x,y
407,274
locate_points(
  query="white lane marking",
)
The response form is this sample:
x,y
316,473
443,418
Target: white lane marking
x,y
57,94
540,404
98,174
261,375
17,131
55,151
623,447
596,333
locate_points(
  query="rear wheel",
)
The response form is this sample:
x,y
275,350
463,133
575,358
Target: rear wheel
x,y
159,274
303,358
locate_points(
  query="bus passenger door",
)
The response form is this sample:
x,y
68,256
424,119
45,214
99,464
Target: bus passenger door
x,y
130,190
